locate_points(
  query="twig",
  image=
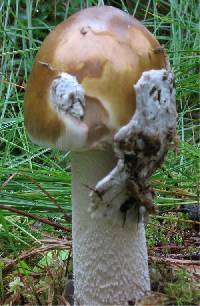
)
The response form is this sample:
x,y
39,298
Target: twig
x,y
49,66
7,181
13,84
67,218
177,262
35,252
176,219
32,216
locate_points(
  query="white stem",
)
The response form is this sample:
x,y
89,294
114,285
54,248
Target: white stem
x,y
109,260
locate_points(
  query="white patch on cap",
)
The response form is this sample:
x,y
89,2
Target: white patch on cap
x,y
67,95
67,99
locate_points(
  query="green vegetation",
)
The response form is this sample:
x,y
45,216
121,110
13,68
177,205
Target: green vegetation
x,y
36,180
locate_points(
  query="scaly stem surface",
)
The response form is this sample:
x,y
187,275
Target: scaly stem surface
x,y
109,260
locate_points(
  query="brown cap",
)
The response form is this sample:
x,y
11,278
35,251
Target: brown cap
x,y
106,50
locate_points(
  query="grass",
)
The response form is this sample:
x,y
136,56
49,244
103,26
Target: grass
x,y
32,178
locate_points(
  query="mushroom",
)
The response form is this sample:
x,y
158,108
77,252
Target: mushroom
x,y
80,97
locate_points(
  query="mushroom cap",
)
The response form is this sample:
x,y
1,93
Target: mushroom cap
x,y
107,51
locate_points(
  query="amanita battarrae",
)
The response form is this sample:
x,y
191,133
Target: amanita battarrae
x,y
79,95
